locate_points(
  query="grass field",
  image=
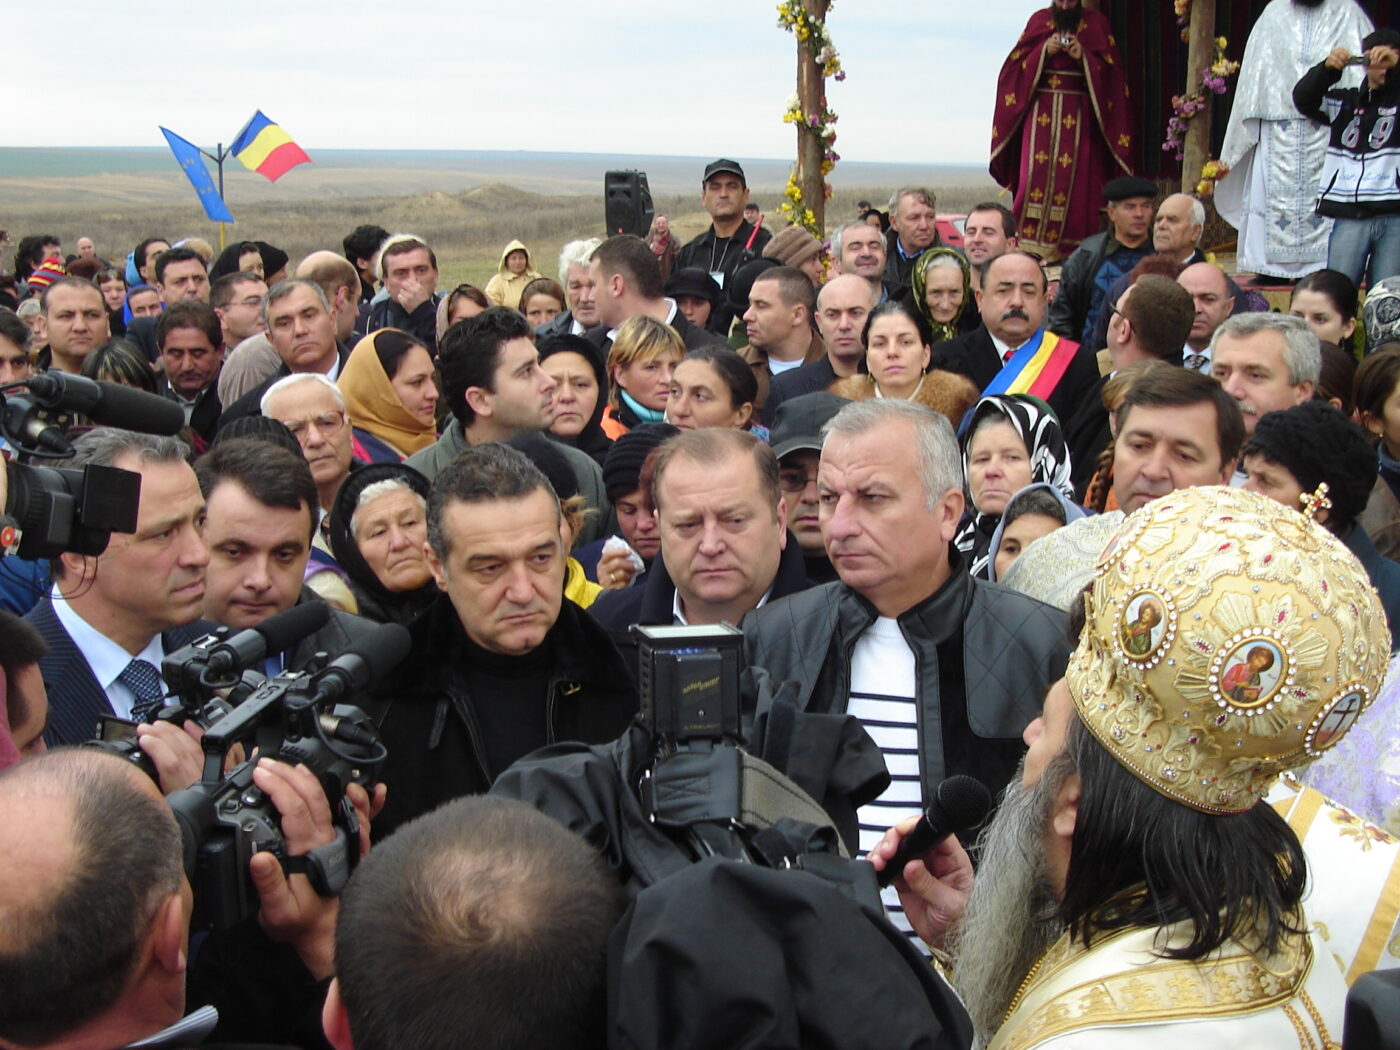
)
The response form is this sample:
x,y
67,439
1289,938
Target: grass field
x,y
467,230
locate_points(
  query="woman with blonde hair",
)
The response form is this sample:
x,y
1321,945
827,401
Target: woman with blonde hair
x,y
643,356
390,395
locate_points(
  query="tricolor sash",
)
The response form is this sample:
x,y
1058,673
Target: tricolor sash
x,y
1035,368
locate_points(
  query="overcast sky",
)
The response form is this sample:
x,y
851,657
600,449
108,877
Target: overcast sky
x,y
705,77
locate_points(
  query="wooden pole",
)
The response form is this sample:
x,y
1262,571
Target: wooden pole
x,y
811,94
1200,50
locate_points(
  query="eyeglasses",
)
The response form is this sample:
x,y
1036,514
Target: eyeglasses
x,y
794,481
327,423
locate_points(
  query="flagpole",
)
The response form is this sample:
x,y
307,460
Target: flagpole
x,y
218,158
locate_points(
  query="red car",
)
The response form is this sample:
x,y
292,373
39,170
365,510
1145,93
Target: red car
x,y
950,229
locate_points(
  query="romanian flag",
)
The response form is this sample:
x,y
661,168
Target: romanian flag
x,y
1035,368
264,147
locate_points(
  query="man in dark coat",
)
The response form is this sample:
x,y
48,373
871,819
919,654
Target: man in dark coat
x,y
731,241
627,283
502,663
1012,352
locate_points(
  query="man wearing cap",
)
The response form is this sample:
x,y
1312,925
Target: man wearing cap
x,y
730,241
1100,260
843,304
1062,125
1135,888
797,442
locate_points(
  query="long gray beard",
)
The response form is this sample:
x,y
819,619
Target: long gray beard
x,y
1009,920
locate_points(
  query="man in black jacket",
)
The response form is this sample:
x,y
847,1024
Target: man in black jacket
x,y
409,299
731,240
945,671
1360,192
725,546
502,663
1100,260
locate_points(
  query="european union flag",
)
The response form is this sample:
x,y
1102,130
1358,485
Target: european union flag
x,y
192,161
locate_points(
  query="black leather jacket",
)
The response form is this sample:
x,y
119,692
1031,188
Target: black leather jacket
x,y
1013,648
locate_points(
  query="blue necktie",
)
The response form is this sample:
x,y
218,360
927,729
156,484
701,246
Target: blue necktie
x,y
141,677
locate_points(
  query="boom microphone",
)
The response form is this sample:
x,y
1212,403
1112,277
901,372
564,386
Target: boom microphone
x,y
368,661
959,804
274,635
107,404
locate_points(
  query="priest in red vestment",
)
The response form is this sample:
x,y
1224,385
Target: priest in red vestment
x,y
1062,126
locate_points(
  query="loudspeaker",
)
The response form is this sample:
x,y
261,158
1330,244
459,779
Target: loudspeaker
x,y
627,203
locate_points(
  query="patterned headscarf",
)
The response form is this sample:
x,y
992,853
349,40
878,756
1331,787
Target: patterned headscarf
x,y
953,328
1035,422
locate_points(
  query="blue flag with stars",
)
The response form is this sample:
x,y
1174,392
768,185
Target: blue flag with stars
x,y
192,161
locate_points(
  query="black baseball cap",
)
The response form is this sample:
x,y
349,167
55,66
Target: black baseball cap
x,y
798,422
721,166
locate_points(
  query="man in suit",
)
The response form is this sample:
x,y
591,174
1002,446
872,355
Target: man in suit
x,y
262,513
189,338
1011,352
302,329
111,618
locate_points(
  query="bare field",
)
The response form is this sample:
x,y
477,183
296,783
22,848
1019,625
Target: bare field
x,y
467,229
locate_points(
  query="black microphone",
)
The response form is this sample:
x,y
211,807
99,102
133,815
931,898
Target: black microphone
x,y
274,635
368,661
107,404
959,804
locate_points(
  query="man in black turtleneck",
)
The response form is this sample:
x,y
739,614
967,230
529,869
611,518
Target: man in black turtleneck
x,y
731,239
502,662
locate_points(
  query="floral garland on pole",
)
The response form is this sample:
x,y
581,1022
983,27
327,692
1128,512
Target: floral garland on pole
x,y
1214,78
795,18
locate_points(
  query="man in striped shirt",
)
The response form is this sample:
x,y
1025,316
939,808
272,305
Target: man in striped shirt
x,y
944,671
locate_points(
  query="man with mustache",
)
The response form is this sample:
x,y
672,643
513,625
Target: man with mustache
x,y
1274,153
1062,126
1135,875
1011,352
1266,362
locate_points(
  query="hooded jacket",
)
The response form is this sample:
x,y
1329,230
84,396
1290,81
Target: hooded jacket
x,y
1361,175
504,289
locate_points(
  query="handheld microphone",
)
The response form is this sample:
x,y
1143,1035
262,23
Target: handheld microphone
x,y
107,404
368,661
274,635
959,804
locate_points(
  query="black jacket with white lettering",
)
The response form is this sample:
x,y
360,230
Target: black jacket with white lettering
x,y
1361,175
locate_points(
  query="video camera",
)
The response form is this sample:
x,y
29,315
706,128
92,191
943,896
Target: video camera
x,y
295,717
53,509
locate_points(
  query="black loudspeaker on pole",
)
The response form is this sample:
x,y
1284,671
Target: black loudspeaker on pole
x,y
627,203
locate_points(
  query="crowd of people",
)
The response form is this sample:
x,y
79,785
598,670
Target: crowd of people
x,y
1120,550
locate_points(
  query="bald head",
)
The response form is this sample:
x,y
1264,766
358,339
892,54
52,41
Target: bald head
x,y
89,855
1210,295
843,304
340,281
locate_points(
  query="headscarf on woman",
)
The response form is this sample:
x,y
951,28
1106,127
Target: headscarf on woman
x,y
374,406
1035,422
591,438
376,602
967,317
